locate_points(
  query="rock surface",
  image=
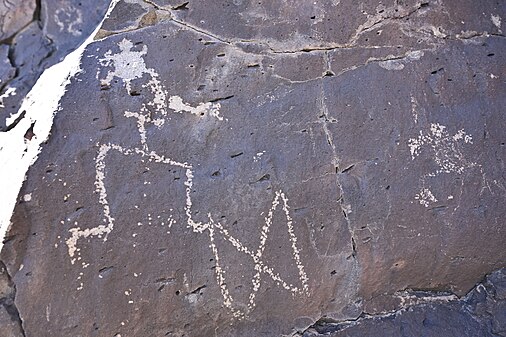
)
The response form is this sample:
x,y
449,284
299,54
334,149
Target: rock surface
x,y
35,35
249,168
10,322
481,313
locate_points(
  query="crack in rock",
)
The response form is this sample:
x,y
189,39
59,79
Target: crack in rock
x,y
486,293
8,300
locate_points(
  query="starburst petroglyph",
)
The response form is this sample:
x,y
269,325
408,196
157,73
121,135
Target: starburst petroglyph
x,y
155,112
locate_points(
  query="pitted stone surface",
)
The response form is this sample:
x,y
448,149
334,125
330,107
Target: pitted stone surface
x,y
263,169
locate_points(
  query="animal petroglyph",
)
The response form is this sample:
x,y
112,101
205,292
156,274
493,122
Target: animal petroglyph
x,y
129,65
446,151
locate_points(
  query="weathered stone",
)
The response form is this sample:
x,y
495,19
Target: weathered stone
x,y
39,38
30,49
248,169
132,15
126,16
7,71
14,15
8,326
481,313
69,22
10,322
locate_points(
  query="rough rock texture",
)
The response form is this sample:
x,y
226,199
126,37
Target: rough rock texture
x,y
14,16
10,322
481,313
35,35
249,168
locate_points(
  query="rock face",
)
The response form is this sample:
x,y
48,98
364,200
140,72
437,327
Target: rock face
x,y
10,322
35,35
270,168
481,313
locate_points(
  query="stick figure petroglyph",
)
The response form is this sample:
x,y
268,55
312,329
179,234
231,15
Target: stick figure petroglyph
x,y
129,65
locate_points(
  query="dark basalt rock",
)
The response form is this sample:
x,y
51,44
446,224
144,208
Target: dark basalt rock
x,y
245,168
36,37
480,313
7,71
10,322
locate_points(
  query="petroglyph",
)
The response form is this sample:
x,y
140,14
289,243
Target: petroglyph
x,y
129,65
213,109
446,151
496,20
425,197
38,108
414,109
69,19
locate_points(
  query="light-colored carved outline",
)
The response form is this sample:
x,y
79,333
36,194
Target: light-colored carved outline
x,y
213,228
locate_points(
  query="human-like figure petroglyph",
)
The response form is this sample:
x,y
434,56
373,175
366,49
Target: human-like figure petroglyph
x,y
129,65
